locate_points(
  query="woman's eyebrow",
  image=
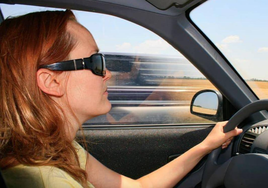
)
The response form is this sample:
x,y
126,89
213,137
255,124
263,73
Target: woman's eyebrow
x,y
93,51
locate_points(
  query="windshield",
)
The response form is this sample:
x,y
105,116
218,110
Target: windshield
x,y
239,29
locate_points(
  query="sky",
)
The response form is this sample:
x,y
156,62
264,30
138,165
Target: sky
x,y
237,27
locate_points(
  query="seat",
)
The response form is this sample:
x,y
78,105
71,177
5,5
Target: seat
x,y
2,182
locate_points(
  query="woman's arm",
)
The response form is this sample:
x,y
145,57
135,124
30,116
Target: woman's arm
x,y
166,176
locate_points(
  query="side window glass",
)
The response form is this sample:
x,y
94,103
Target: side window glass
x,y
152,83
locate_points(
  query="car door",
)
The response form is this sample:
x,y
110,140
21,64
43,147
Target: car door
x,y
151,90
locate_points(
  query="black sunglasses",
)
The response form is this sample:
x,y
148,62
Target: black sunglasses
x,y
95,63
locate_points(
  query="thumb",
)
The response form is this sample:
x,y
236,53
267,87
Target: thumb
x,y
234,132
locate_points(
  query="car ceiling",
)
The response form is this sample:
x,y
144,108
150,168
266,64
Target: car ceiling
x,y
167,7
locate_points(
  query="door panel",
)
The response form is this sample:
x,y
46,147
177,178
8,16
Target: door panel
x,y
136,151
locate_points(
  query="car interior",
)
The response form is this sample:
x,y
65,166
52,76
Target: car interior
x,y
137,149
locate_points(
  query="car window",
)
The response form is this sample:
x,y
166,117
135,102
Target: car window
x,y
239,30
152,83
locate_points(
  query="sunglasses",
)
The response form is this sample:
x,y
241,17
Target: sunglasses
x,y
95,63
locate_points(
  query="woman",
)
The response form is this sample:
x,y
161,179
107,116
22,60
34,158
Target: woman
x,y
47,93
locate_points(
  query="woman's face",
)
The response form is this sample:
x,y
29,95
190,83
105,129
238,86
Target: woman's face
x,y
86,92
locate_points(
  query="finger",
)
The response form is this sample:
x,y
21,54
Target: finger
x,y
234,132
223,146
228,141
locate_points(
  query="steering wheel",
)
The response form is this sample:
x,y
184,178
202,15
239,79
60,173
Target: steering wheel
x,y
242,171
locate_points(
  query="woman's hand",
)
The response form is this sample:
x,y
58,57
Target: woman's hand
x,y
217,137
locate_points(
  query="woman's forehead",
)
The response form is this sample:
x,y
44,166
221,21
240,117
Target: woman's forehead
x,y
85,44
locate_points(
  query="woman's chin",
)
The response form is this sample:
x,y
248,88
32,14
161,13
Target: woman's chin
x,y
106,108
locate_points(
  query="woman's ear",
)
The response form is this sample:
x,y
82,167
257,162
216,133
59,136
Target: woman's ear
x,y
50,82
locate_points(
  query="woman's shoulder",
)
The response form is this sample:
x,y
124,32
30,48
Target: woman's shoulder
x,y
82,154
38,176
43,176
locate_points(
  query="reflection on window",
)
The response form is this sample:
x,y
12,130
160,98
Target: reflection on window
x,y
150,89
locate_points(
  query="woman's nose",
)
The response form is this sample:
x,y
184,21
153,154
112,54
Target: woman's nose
x,y
107,76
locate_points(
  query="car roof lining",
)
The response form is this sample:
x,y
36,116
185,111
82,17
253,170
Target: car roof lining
x,y
163,5
181,5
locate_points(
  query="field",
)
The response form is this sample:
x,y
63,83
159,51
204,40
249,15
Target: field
x,y
192,86
187,87
260,88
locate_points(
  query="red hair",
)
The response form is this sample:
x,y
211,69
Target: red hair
x,y
31,126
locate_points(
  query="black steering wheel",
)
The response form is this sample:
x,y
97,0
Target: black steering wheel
x,y
242,171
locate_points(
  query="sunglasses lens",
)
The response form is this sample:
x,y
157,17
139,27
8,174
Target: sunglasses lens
x,y
98,65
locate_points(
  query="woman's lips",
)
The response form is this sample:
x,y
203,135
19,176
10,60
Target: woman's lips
x,y
106,92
